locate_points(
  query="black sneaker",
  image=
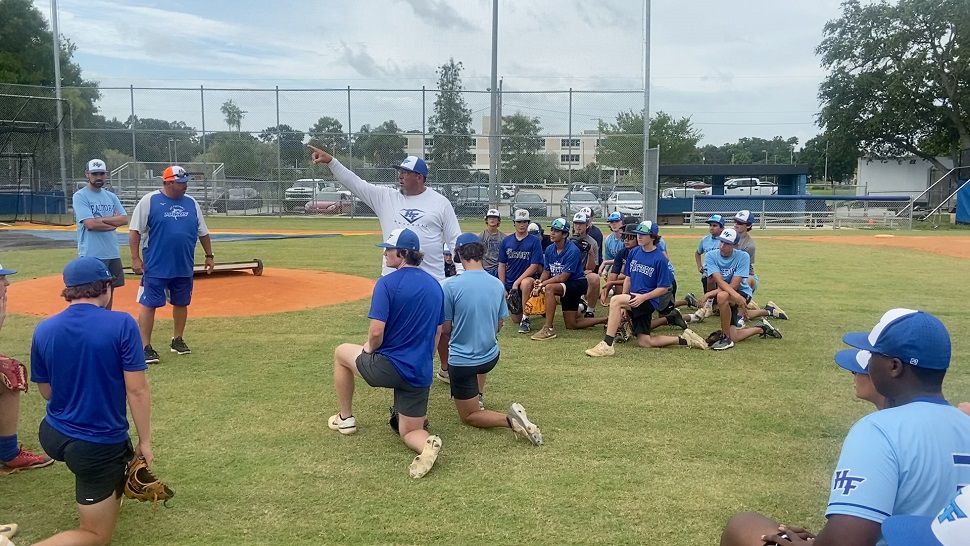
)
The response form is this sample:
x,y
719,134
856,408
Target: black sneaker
x,y
691,300
675,319
179,346
392,422
151,355
769,331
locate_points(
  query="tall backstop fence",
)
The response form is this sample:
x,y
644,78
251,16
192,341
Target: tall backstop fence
x,y
809,211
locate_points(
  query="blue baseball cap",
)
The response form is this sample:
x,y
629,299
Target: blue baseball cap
x,y
951,527
5,271
716,219
85,270
646,227
729,236
402,238
914,337
414,164
853,360
559,224
467,238
614,217
745,217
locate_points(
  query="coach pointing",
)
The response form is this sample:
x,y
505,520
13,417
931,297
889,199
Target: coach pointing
x,y
414,206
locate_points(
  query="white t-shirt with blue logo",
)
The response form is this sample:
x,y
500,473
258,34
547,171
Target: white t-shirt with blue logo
x,y
474,303
737,264
170,229
907,460
89,204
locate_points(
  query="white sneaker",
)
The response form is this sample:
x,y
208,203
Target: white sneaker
x,y
343,426
601,349
443,376
422,464
522,426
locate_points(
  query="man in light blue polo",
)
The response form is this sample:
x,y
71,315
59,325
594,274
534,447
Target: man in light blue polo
x,y
474,312
909,459
98,214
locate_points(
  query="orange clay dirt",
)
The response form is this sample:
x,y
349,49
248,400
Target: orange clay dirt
x,y
227,294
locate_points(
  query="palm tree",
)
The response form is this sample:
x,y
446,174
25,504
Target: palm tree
x,y
234,114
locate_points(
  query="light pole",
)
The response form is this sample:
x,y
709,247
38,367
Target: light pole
x,y
766,156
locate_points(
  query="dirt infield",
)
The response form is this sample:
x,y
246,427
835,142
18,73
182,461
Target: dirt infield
x,y
955,246
221,295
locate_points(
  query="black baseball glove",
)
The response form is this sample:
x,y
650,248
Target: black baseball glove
x,y
514,301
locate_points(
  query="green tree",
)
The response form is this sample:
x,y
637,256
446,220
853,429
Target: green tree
x,y
329,133
622,147
292,150
842,158
899,78
450,125
522,161
163,141
233,113
242,154
381,146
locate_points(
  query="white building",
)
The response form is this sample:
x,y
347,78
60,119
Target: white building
x,y
897,176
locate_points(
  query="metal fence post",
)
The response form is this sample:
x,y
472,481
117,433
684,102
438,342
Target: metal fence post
x,y
424,114
205,159
279,156
131,121
350,134
569,147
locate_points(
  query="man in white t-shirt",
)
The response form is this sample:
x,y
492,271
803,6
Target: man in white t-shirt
x,y
414,206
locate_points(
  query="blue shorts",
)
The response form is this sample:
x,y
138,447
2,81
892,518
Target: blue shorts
x,y
153,292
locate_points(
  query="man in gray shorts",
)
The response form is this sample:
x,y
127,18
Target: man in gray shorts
x,y
98,213
406,312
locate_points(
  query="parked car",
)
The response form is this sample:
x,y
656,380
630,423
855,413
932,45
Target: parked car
x,y
749,186
333,202
304,190
237,199
573,201
532,202
472,201
681,193
625,202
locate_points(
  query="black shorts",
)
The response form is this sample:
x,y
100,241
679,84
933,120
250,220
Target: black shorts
x,y
464,379
666,302
734,310
117,271
575,289
640,318
99,470
704,285
378,371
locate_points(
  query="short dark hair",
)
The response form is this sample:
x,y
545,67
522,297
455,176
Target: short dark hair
x,y
410,257
473,252
84,291
929,378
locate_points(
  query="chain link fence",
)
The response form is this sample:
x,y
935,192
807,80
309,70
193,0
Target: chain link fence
x,y
885,212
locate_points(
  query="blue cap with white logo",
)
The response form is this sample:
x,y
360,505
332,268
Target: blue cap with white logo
x,y
614,216
85,270
647,227
744,217
559,224
914,337
402,238
716,219
951,527
414,164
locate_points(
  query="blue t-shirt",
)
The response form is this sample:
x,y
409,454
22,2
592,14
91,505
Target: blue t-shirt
x,y
474,303
707,244
410,303
662,247
89,204
737,264
904,460
83,352
647,271
567,261
170,229
518,256
612,246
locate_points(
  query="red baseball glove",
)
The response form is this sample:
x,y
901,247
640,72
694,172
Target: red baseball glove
x,y
13,374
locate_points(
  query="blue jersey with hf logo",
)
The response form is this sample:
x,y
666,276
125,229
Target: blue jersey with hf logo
x,y
909,459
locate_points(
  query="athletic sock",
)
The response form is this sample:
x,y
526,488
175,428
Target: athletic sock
x,y
8,447
609,340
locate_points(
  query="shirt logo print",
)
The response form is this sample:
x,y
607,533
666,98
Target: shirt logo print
x,y
845,482
412,215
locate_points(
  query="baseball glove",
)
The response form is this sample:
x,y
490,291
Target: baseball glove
x,y
13,374
514,301
714,337
142,485
536,305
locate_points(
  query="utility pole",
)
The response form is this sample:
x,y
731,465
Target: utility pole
x,y
649,188
494,139
60,106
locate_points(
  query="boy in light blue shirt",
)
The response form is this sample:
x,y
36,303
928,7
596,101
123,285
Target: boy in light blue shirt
x,y
98,214
474,312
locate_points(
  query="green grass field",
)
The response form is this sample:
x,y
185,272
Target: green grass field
x,y
650,446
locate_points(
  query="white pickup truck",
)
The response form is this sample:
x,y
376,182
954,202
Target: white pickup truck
x,y
749,186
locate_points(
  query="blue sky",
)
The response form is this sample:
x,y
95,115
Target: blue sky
x,y
737,68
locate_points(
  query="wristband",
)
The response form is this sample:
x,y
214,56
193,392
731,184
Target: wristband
x,y
210,255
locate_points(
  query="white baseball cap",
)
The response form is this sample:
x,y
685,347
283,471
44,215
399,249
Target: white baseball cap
x,y
96,166
521,215
534,228
493,213
580,218
587,211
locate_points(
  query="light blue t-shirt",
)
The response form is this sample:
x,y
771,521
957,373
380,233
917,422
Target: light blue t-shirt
x,y
737,264
612,246
905,460
409,302
89,204
474,303
707,244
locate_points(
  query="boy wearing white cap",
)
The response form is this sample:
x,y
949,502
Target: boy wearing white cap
x,y
492,240
97,214
908,459
519,264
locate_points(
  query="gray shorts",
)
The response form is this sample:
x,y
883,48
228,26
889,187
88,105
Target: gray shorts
x,y
378,371
116,269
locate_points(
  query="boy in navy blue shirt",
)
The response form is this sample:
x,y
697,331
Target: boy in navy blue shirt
x,y
87,362
519,263
406,314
